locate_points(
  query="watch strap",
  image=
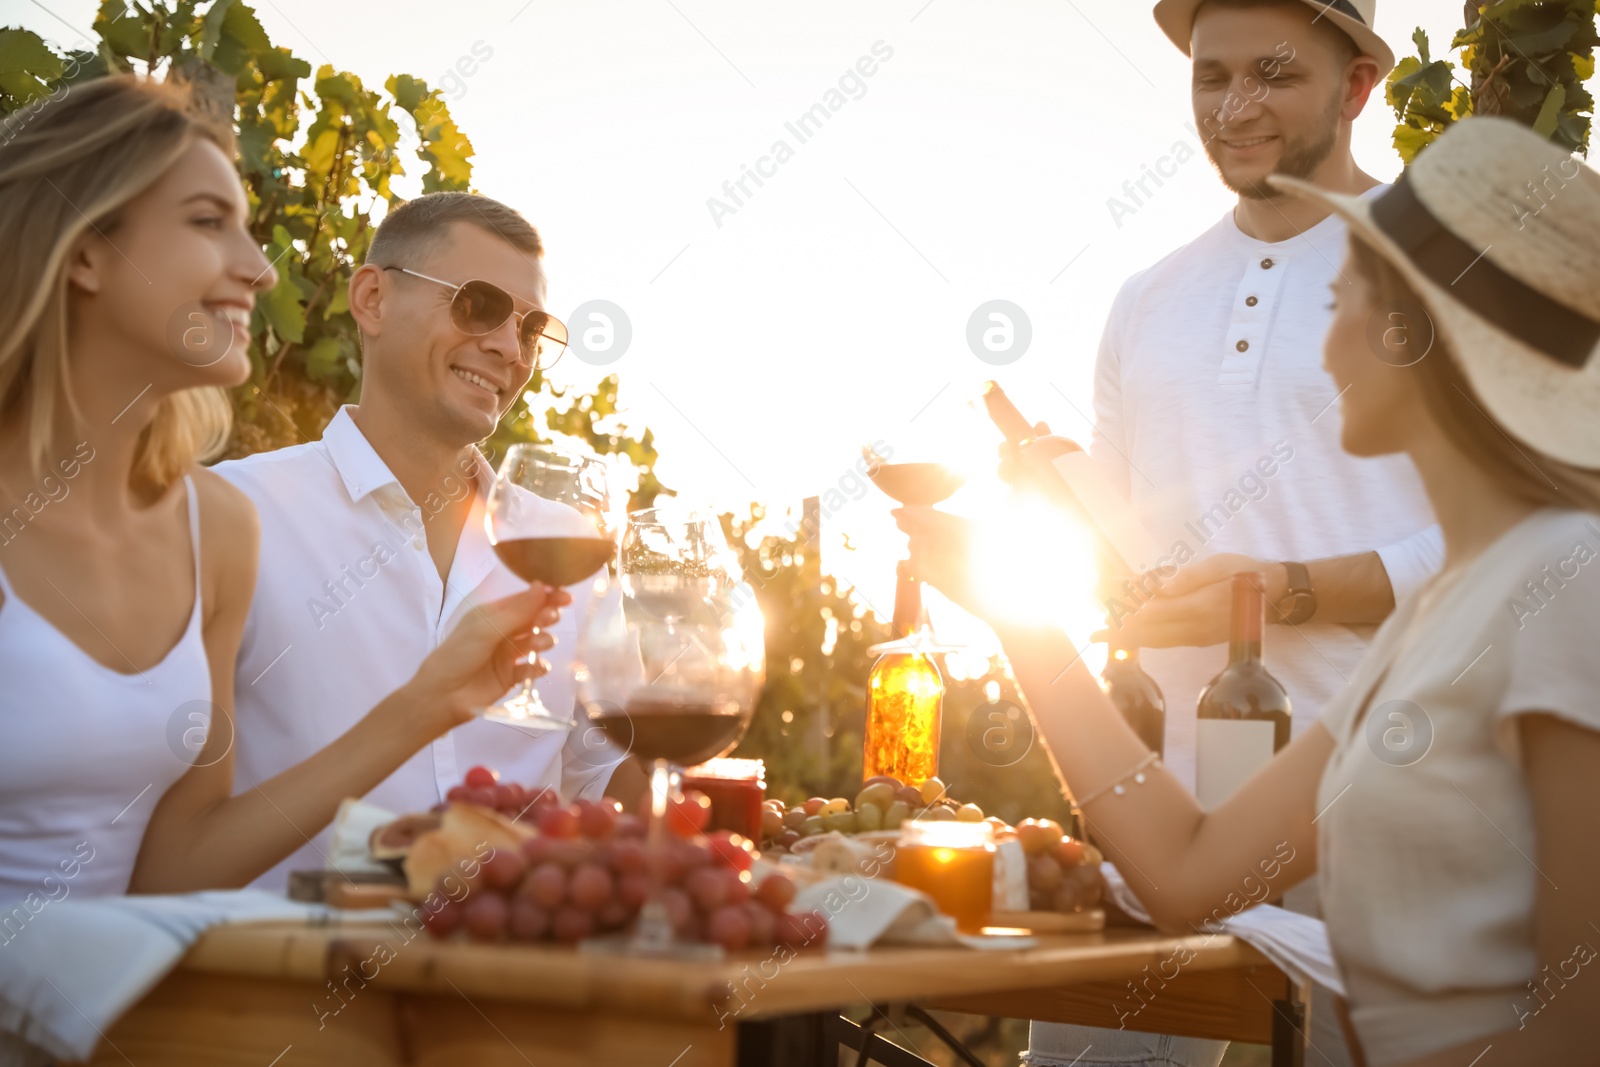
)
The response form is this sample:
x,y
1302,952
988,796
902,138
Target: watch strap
x,y
1300,602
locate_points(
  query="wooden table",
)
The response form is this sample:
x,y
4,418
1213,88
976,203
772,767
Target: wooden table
x,y
363,995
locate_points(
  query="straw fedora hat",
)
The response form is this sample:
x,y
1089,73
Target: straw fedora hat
x,y
1354,17
1498,231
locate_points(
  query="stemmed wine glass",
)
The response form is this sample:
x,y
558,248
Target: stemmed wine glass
x,y
551,518
669,664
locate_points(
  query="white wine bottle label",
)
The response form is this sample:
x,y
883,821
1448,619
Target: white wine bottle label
x,y
1110,511
1226,753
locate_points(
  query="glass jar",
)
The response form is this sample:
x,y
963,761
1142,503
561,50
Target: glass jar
x,y
952,862
736,788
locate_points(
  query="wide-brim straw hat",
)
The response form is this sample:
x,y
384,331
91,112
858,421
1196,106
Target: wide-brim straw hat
x,y
1498,231
1354,17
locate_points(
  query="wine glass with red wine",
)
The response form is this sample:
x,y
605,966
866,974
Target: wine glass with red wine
x,y
670,662
551,518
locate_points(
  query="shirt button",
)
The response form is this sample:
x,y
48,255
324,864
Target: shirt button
x,y
1266,264
1250,301
418,544
1243,346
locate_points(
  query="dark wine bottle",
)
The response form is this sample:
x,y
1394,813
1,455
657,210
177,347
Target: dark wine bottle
x,y
1244,712
1137,696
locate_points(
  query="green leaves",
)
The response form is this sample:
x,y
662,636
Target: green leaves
x,y
1527,60
444,147
1550,111
1425,99
26,67
284,305
126,29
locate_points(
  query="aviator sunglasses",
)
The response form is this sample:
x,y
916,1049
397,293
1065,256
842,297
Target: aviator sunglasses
x,y
479,307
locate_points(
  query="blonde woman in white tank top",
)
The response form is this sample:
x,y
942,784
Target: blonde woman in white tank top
x,y
126,570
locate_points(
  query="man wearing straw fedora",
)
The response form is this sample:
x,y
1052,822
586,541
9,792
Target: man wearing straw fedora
x,y
1209,375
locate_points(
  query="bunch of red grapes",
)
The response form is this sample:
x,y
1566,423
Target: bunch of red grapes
x,y
587,872
1063,872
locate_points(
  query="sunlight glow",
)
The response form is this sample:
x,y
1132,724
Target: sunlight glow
x,y
1034,563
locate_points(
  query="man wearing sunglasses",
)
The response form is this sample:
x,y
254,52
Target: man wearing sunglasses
x,y
373,540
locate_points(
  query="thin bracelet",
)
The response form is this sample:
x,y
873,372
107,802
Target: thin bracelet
x,y
1137,774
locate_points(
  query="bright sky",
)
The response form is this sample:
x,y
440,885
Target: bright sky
x,y
830,309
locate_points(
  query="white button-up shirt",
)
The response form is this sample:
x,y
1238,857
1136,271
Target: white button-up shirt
x,y
348,603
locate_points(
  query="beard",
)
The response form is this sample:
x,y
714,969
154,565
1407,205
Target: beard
x,y
1301,156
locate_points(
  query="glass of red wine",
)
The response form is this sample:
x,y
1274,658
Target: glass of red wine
x,y
670,662
551,518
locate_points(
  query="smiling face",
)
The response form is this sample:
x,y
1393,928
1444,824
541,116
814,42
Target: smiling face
x,y
168,285
1274,91
446,384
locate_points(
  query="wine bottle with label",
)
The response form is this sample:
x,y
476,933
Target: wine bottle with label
x,y
1244,715
1065,473
1137,696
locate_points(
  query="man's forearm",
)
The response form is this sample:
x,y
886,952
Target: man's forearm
x,y
1352,590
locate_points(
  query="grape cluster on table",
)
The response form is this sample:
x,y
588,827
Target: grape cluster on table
x,y
587,872
1063,872
882,804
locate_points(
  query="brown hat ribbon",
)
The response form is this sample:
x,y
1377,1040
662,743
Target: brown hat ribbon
x,y
1502,299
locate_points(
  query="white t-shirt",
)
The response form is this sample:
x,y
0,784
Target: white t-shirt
x,y
1214,416
1426,846
347,605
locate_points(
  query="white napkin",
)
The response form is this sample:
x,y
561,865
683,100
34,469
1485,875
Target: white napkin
x,y
79,964
866,911
1297,944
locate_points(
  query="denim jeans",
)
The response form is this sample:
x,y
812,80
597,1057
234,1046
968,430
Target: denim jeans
x,y
1058,1045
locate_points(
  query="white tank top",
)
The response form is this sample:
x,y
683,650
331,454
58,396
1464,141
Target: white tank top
x,y
87,752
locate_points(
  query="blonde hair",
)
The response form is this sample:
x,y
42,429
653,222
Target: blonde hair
x,y
1521,469
68,166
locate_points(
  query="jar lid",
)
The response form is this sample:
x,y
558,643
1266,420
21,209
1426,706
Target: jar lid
x,y
947,834
739,770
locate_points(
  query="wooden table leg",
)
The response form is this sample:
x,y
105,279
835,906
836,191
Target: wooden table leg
x,y
789,1041
1289,1032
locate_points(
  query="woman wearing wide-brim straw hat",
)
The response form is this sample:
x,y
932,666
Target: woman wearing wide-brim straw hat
x,y
1448,801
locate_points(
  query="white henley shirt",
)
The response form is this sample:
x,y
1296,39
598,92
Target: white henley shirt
x,y
1214,416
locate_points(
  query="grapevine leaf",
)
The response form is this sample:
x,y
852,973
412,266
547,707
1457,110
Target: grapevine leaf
x,y
284,305
278,64
125,30
325,358
1419,37
211,28
24,52
1399,90
1409,141
1545,124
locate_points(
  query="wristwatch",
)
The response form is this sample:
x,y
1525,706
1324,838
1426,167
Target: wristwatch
x,y
1300,602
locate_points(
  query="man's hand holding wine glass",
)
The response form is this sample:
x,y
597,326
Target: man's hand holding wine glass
x,y
481,659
